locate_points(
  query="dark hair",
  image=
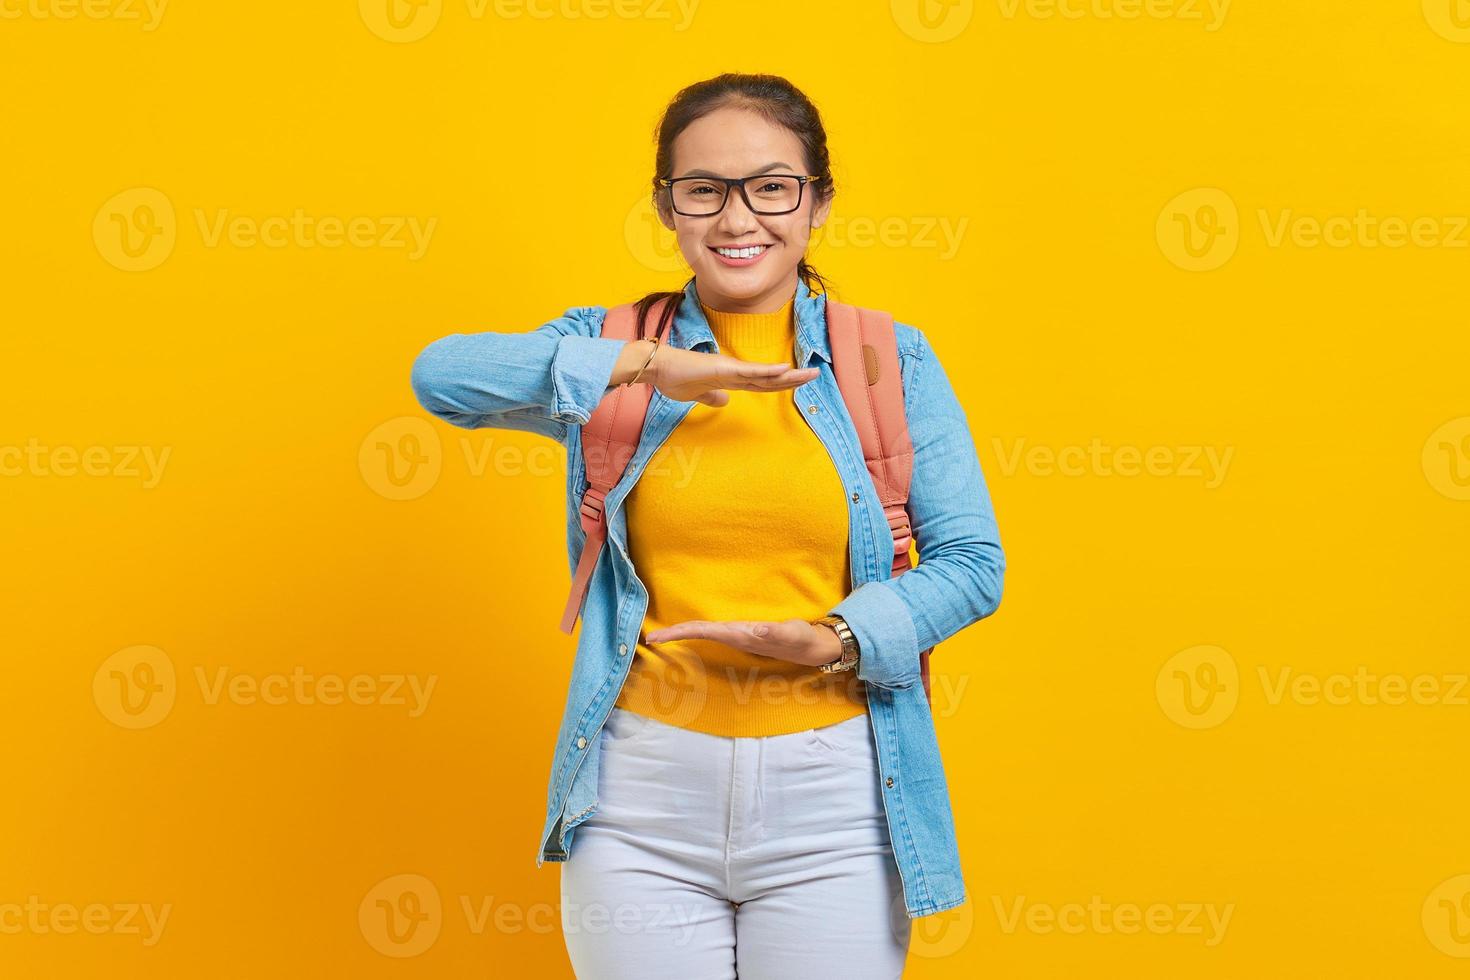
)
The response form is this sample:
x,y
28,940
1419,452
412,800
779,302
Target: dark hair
x,y
770,96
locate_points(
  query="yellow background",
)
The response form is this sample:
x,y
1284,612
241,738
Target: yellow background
x,y
1068,154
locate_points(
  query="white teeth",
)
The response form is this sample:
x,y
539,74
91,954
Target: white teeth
x,y
742,253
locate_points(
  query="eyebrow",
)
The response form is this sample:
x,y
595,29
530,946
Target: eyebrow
x,y
764,168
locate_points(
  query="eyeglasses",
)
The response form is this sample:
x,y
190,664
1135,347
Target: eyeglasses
x,y
700,197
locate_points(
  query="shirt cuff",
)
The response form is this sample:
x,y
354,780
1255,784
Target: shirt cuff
x,y
580,372
888,647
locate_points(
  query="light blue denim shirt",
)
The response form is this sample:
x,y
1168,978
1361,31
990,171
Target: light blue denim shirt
x,y
549,380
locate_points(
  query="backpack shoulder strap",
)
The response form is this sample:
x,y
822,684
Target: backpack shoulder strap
x,y
609,440
865,360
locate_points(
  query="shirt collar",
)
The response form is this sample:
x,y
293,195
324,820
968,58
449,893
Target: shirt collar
x,y
691,328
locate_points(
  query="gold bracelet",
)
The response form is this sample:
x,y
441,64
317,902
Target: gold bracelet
x,y
635,377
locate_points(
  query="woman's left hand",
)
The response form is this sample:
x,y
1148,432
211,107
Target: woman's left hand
x,y
795,640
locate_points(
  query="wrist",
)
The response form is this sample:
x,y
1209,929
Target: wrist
x,y
828,644
847,654
653,358
632,358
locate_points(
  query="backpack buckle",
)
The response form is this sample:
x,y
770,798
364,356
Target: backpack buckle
x,y
898,523
592,508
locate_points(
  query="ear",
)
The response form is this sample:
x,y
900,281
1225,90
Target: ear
x,y
665,213
820,213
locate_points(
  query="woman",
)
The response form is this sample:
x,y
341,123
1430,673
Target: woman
x,y
735,807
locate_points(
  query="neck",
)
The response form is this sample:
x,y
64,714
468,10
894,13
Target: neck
x,y
771,301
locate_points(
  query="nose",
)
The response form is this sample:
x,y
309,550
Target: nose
x,y
735,218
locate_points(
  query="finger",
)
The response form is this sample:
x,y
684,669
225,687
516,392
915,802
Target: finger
x,y
753,370
692,629
790,378
734,634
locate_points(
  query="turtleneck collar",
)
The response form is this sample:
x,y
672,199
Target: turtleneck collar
x,y
747,335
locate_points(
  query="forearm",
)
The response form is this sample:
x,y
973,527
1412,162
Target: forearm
x,y
541,380
895,619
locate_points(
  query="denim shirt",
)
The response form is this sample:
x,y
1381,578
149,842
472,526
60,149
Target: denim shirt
x,y
549,380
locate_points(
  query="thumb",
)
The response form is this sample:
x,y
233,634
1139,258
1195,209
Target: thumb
x,y
715,397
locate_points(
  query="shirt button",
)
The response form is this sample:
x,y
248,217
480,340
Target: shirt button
x,y
622,649
812,409
855,497
890,782
582,744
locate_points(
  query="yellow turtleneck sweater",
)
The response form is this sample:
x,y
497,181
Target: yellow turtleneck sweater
x,y
740,515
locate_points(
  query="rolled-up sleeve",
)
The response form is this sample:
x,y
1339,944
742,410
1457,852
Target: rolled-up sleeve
x,y
579,375
541,380
958,579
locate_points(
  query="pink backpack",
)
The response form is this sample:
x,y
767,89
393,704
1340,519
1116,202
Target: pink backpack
x,y
865,360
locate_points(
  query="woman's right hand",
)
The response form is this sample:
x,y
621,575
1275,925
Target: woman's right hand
x,y
688,375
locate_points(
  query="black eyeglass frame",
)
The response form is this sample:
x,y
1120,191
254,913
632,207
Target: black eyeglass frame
x,y
733,182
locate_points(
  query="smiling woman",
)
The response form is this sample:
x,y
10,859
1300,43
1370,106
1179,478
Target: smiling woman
x,y
747,738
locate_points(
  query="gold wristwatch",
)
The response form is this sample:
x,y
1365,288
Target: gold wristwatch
x,y
848,658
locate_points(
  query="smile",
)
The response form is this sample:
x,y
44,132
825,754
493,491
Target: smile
x,y
744,255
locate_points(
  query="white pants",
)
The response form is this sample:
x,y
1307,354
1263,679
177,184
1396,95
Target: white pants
x,y
712,858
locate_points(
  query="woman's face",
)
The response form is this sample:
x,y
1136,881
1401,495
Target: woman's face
x,y
733,142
